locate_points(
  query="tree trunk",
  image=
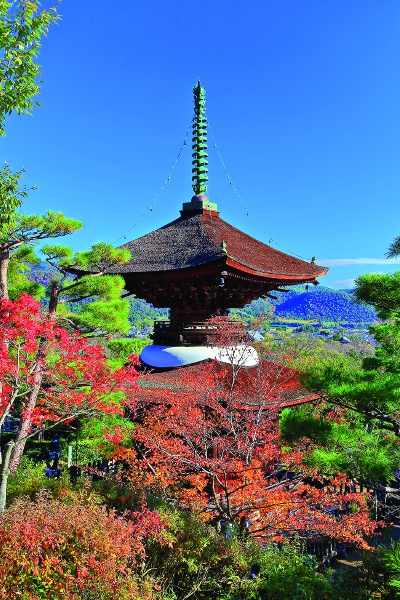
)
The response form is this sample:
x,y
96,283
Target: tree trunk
x,y
53,300
25,423
26,415
4,473
4,259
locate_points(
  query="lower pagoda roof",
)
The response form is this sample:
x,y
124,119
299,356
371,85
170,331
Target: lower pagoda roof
x,y
200,239
280,385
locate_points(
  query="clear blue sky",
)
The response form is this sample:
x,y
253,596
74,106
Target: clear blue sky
x,y
303,99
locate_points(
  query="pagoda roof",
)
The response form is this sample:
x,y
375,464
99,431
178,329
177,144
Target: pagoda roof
x,y
280,385
201,238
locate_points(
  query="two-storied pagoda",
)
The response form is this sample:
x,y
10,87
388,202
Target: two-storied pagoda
x,y
199,266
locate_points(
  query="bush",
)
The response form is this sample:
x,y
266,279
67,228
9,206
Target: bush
x,y
194,560
74,549
30,478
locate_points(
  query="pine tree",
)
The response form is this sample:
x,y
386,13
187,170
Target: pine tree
x,y
365,429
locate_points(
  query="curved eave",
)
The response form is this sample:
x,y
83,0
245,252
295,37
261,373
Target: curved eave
x,y
234,268
216,266
296,401
230,262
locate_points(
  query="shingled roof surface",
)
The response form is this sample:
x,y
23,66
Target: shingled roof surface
x,y
280,386
195,239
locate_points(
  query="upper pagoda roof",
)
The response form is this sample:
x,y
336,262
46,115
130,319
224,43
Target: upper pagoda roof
x,y
201,237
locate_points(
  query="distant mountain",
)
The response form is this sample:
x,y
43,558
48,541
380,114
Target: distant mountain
x,y
42,273
326,304
321,303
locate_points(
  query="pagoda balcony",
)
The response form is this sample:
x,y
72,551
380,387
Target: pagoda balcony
x,y
167,333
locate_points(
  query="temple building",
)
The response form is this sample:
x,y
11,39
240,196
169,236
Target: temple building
x,y
199,266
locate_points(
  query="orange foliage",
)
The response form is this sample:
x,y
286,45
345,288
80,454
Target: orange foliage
x,y
58,550
207,437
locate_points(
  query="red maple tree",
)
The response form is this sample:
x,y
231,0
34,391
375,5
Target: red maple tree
x,y
207,437
49,375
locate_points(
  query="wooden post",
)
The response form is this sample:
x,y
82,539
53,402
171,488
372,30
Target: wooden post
x,y
69,459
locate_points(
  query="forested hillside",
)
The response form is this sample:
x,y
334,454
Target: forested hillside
x,y
322,304
326,304
143,315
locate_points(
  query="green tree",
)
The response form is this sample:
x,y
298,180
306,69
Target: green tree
x,y
98,294
374,390
391,559
24,231
356,427
19,282
368,389
383,292
22,27
11,196
340,444
121,349
394,248
91,303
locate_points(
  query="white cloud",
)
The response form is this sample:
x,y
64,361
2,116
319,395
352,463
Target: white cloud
x,y
352,262
343,283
